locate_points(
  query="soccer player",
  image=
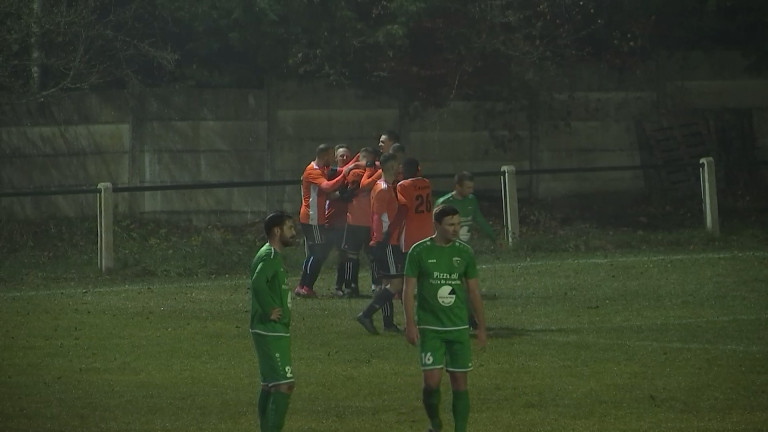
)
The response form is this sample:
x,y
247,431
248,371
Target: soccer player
x,y
315,188
387,140
440,277
469,209
388,258
357,233
336,212
414,193
271,321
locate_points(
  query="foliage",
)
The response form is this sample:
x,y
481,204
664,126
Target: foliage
x,y
424,51
49,46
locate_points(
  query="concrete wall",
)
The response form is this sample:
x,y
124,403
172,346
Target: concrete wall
x,y
187,136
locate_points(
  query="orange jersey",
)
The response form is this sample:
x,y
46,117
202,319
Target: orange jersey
x,y
313,199
416,195
336,209
336,213
359,210
383,211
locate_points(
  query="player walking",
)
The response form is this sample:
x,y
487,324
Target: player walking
x,y
388,258
440,277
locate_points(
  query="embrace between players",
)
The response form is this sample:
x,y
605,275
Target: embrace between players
x,y
383,207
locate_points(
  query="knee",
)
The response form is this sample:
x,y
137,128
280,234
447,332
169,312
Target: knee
x,y
284,388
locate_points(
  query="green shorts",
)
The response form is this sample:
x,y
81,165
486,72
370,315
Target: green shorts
x,y
449,348
274,354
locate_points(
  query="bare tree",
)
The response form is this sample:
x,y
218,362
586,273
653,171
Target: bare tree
x,y
51,46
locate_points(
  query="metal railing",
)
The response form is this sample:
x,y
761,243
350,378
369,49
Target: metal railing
x,y
508,175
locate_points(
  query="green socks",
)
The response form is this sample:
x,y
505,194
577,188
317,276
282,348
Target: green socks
x,y
460,407
273,406
276,411
264,397
431,400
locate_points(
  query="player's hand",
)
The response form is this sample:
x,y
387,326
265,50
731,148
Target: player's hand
x,y
412,334
482,338
350,167
276,314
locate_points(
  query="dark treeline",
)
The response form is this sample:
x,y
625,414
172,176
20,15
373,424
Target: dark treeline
x,y
416,50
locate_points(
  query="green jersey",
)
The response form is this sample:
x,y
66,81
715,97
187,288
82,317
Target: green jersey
x,y
269,290
440,271
469,214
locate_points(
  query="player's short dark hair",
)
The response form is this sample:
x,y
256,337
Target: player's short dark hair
x,y
410,168
275,220
387,158
392,135
462,177
323,149
370,150
397,148
338,147
443,211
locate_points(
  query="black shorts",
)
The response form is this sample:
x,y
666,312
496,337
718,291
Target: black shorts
x,y
356,237
334,235
388,261
314,234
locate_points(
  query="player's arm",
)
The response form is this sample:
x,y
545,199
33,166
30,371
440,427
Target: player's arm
x,y
324,184
404,203
372,175
409,297
270,310
409,292
476,303
378,208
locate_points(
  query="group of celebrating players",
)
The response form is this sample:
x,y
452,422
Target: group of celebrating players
x,y
376,202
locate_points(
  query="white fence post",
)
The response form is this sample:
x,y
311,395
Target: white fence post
x,y
709,195
106,229
509,198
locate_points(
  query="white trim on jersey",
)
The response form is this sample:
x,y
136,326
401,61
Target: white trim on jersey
x,y
443,328
268,333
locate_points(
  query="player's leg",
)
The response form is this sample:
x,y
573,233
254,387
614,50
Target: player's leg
x,y
355,237
264,396
431,359
317,249
387,311
388,267
275,369
396,258
458,364
278,406
336,238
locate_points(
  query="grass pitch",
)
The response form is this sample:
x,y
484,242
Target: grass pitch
x,y
666,340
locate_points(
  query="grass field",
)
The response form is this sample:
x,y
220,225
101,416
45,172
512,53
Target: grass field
x,y
619,336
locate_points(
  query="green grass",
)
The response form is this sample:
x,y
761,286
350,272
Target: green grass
x,y
590,331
